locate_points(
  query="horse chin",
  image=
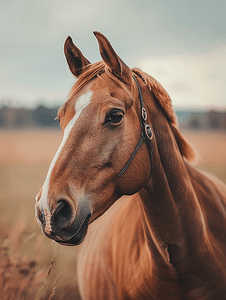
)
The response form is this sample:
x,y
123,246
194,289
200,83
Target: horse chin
x,y
75,241
79,236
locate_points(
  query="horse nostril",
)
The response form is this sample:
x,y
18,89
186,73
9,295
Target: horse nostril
x,y
63,214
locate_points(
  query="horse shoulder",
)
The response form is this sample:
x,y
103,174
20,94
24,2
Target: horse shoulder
x,y
211,194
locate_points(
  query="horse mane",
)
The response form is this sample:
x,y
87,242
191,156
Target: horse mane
x,y
165,102
95,70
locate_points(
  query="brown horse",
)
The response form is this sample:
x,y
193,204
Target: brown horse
x,y
154,226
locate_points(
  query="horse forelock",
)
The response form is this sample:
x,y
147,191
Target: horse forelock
x,y
97,70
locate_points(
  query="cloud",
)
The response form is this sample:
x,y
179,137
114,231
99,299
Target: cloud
x,y
192,80
32,35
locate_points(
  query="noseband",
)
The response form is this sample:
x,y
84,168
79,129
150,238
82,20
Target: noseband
x,y
146,134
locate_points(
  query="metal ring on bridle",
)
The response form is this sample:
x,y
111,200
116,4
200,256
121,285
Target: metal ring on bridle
x,y
144,114
148,132
146,135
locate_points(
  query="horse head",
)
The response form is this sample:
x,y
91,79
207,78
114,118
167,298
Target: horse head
x,y
101,124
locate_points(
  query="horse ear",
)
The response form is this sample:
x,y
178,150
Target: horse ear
x,y
112,60
75,59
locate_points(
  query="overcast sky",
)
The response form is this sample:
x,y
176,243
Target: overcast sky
x,y
180,43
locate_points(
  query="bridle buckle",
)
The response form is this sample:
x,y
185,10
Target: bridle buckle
x,y
144,114
148,132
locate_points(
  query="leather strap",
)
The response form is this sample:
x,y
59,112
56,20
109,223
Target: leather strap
x,y
146,134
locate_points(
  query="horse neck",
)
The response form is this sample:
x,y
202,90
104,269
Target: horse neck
x,y
172,214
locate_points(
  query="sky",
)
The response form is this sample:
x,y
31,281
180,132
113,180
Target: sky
x,y
180,43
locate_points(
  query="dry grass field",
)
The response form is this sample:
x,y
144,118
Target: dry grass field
x,y
27,256
24,159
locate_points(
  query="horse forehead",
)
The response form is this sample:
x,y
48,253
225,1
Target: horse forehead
x,y
73,107
107,94
83,101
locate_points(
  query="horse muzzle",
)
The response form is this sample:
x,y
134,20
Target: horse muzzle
x,y
63,225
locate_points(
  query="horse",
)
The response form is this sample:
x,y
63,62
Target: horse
x,y
150,225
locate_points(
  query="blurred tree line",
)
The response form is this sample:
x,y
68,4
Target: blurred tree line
x,y
41,116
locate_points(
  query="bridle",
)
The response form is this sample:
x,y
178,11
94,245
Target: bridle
x,y
146,134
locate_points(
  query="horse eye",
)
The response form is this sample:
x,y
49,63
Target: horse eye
x,y
115,117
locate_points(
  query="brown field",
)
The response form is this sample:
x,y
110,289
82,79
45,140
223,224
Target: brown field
x,y
24,159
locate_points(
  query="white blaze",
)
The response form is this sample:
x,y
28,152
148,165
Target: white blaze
x,y
81,103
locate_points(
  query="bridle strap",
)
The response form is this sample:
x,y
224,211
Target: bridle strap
x,y
146,134
131,157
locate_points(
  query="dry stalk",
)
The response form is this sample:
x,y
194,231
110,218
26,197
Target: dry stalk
x,y
48,274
